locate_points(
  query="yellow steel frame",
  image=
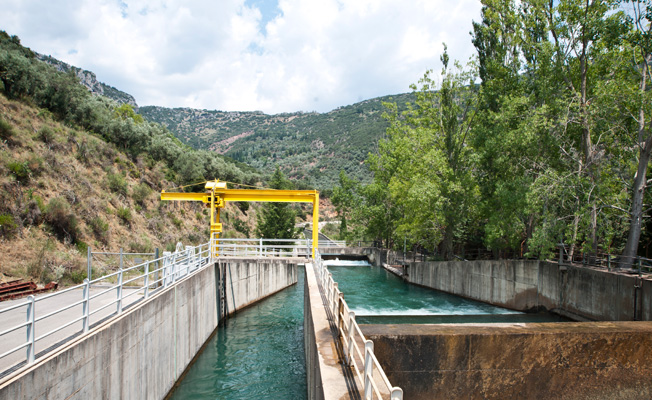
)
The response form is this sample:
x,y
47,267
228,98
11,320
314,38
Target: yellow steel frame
x,y
217,195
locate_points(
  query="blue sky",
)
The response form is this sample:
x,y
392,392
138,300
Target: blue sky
x,y
245,55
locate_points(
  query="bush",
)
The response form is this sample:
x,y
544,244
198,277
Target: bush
x,y
100,228
34,165
124,214
6,130
8,227
117,183
140,193
82,247
78,276
46,135
59,216
19,170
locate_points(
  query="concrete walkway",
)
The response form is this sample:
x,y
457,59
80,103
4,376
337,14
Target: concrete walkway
x,y
47,303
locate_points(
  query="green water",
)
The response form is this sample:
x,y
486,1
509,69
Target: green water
x,y
380,297
258,354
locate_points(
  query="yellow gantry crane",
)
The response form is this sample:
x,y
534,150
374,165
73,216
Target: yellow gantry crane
x,y
217,195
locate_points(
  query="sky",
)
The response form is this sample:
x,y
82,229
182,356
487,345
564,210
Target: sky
x,y
245,55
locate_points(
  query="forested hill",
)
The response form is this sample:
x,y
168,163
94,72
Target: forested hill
x,y
311,147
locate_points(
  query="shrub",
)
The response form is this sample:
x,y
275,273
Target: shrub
x,y
241,227
78,276
19,170
59,216
140,193
8,227
6,130
100,228
34,165
117,183
46,135
124,214
82,247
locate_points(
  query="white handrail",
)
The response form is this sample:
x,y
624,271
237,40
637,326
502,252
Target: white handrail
x,y
183,262
350,335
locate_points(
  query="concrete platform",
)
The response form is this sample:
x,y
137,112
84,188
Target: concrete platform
x,y
584,360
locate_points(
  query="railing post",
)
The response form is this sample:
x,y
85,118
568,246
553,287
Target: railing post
x,y
638,262
349,331
368,368
86,305
158,268
146,285
89,262
189,259
608,262
119,294
334,301
396,394
31,317
166,268
261,247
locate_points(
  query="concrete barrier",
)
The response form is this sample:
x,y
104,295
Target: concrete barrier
x,y
577,292
142,352
324,368
587,360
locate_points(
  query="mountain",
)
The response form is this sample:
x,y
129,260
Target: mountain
x,y
88,79
310,147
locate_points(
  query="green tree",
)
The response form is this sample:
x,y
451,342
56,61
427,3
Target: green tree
x,y
639,42
344,200
426,162
276,220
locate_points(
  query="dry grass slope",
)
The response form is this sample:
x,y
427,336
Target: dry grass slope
x,y
63,189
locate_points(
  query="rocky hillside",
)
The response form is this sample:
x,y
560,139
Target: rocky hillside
x,y
310,147
88,79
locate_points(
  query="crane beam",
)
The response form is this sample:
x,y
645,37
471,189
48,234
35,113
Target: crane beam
x,y
217,195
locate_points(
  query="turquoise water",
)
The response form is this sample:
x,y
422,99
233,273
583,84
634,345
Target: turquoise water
x,y
258,354
380,297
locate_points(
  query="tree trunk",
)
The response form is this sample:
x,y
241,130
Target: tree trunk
x,y
640,180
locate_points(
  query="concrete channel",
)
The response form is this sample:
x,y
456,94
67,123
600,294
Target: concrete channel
x,y
608,355
141,353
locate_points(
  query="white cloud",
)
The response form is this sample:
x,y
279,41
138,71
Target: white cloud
x,y
310,55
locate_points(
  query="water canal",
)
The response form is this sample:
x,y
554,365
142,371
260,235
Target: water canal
x,y
259,352
256,354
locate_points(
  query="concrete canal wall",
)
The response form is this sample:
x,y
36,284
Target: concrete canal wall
x,y
573,361
324,368
142,352
577,292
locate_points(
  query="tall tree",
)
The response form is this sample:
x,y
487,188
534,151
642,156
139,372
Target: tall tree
x,y
640,40
430,160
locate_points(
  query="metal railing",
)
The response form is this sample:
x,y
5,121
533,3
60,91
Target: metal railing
x,y
604,260
74,318
264,247
358,351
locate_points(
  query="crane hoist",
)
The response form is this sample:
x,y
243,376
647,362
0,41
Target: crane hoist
x,y
217,194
